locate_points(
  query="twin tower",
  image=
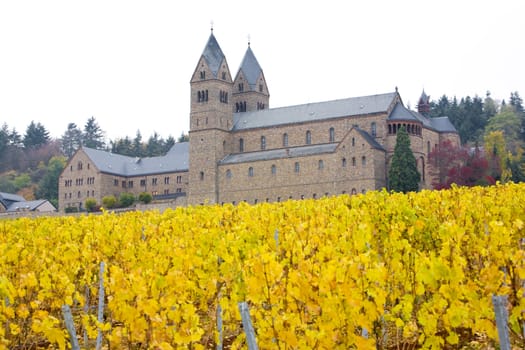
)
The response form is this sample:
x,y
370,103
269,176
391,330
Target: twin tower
x,y
215,97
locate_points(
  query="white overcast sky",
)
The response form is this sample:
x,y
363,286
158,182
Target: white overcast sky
x,y
128,63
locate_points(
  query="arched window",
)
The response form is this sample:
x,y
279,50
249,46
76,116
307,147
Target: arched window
x,y
201,175
331,134
274,169
320,165
297,167
308,137
263,142
428,147
228,174
373,129
389,129
285,140
250,171
353,161
199,96
343,162
363,160
354,191
353,141
241,145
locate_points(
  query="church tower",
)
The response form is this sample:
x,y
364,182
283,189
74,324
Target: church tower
x,y
423,106
250,91
211,118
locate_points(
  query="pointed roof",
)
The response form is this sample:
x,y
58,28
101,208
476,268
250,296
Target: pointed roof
x,y
400,112
424,98
213,55
250,68
440,124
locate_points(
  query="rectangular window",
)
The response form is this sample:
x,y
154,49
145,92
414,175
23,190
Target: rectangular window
x,y
130,184
143,183
167,180
115,182
297,168
179,179
123,184
154,181
179,190
166,191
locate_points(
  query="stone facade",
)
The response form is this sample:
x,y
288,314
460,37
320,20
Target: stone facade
x,y
241,150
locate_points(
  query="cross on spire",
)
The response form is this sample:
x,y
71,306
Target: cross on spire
x,y
211,24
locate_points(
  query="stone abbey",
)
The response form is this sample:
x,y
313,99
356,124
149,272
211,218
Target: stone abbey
x,y
240,149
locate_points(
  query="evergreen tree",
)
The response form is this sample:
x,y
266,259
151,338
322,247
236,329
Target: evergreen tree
x,y
36,136
138,147
123,147
154,147
183,137
48,185
93,136
517,104
403,175
489,106
71,140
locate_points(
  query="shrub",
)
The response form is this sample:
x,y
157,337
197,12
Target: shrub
x,y
145,197
109,202
71,210
126,199
90,204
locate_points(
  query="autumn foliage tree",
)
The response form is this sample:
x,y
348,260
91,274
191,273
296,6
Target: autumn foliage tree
x,y
451,164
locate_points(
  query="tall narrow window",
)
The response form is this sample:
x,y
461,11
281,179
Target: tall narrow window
x,y
297,168
285,140
241,145
363,160
373,129
353,161
228,174
263,142
201,176
274,169
308,137
203,75
332,134
250,172
320,165
353,141
343,162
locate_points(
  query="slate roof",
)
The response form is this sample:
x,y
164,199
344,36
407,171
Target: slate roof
x,y
213,55
440,124
279,153
26,205
8,198
313,111
176,159
250,68
371,141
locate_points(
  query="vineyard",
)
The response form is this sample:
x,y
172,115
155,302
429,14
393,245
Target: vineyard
x,y
380,270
